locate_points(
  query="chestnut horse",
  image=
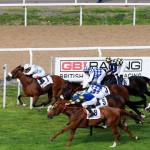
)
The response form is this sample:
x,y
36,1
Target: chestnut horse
x,y
78,119
69,89
31,87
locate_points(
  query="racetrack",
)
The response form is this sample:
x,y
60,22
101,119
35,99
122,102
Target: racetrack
x,y
69,36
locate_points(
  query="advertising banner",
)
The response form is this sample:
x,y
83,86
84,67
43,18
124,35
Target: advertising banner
x,y
71,68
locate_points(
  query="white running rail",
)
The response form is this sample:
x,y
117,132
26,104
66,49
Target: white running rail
x,y
81,5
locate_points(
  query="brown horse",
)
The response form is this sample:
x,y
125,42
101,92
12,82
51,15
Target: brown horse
x,y
78,119
31,87
69,89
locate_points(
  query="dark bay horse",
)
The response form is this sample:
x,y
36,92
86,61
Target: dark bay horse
x,y
68,90
31,87
78,119
137,82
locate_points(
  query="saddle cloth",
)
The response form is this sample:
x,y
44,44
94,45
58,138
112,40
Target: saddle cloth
x,y
97,113
47,80
101,102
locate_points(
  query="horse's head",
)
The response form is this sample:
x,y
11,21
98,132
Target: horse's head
x,y
65,92
14,73
56,109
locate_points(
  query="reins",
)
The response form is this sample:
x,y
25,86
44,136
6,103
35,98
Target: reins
x,y
77,88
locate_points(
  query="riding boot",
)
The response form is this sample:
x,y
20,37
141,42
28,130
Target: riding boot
x,y
90,111
41,80
121,79
118,78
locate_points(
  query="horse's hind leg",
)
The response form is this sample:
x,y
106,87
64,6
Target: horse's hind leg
x,y
125,128
116,134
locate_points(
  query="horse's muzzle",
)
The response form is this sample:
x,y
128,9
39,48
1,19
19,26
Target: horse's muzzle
x,y
8,78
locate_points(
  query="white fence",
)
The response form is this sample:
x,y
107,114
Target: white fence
x,y
30,50
81,5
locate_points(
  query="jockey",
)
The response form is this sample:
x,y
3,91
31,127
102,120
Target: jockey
x,y
36,71
97,91
111,65
93,75
116,67
87,100
119,69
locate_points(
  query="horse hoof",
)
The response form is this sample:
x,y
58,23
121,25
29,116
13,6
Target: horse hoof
x,y
24,105
142,116
50,140
114,144
136,138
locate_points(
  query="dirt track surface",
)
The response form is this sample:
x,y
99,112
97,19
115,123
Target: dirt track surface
x,y
69,36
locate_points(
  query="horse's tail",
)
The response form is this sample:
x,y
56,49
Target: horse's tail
x,y
133,91
147,80
131,115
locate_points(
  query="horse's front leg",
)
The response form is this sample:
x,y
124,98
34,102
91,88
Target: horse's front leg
x,y
19,98
71,137
69,127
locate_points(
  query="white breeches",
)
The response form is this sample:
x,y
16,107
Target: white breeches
x,y
89,103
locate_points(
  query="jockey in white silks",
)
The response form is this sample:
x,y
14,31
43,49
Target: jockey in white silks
x,y
92,76
36,71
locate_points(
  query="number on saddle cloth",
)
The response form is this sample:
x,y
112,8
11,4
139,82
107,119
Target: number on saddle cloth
x,y
105,90
101,102
47,80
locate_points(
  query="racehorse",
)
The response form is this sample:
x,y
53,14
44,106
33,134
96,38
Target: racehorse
x,y
78,119
67,93
137,82
31,88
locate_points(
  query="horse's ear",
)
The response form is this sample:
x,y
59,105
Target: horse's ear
x,y
22,67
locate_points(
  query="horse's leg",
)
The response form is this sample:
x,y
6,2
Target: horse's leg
x,y
116,134
71,137
133,107
45,103
19,99
35,98
91,130
125,128
69,127
72,126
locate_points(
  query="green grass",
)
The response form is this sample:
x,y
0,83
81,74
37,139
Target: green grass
x,y
70,16
22,129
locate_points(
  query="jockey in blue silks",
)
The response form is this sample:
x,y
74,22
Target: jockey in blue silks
x,y
116,67
86,99
93,76
36,71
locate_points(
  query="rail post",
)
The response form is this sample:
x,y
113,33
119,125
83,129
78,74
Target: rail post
x,y
4,86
